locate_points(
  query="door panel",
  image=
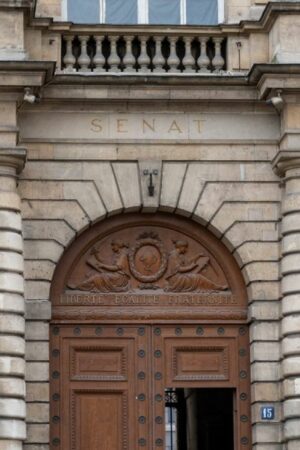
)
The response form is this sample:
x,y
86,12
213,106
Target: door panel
x,y
94,407
108,383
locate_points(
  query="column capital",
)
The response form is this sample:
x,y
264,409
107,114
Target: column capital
x,y
13,158
285,161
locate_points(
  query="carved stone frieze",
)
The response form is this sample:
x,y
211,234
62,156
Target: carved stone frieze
x,y
151,260
139,268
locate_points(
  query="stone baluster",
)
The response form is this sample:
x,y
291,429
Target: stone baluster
x,y
114,59
84,60
69,59
203,60
290,288
158,60
218,60
99,59
12,325
188,60
144,59
173,60
129,59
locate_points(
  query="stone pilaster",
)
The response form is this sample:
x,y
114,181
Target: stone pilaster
x,y
288,166
12,344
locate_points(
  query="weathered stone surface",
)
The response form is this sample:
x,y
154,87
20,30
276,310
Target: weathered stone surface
x,y
291,284
43,249
11,241
291,408
12,345
291,304
11,282
11,262
37,371
105,181
12,366
291,428
54,230
10,220
10,201
38,412
70,211
265,351
37,290
264,310
37,351
265,392
12,429
37,433
39,270
265,371
38,310
36,331
291,366
37,392
172,180
11,445
130,192
193,184
264,331
11,407
12,387
267,433
12,324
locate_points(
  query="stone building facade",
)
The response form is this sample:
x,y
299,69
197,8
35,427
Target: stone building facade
x,y
88,127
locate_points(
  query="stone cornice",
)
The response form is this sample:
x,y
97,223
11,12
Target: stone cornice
x,y
20,74
13,157
4,4
268,77
285,161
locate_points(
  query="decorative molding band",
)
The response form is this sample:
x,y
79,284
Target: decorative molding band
x,y
13,157
285,161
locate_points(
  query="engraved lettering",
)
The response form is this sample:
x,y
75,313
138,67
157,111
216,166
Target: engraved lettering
x,y
121,125
199,123
146,125
175,127
96,125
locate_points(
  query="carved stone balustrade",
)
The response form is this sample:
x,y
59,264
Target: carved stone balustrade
x,y
133,53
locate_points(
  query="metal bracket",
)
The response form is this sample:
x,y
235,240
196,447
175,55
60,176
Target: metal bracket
x,y
151,186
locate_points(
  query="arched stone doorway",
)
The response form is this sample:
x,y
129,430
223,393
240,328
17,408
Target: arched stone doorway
x,y
149,340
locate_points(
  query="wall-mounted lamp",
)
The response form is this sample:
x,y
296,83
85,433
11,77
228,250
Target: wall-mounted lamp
x,y
151,187
276,101
29,96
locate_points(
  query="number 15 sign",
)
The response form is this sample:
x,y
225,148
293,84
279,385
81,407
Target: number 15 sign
x,y
267,412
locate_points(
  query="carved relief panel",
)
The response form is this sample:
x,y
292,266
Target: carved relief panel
x,y
148,267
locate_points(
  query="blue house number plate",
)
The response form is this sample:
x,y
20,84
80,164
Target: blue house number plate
x,y
267,412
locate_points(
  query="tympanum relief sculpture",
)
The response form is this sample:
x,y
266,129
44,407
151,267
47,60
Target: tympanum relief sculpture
x,y
162,261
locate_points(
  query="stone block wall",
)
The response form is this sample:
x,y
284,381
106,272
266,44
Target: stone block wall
x,y
229,188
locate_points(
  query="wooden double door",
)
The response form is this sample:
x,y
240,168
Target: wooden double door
x,y
108,382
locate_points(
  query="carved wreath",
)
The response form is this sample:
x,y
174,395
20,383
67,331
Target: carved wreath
x,y
164,260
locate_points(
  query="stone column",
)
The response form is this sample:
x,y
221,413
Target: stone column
x,y
289,169
12,343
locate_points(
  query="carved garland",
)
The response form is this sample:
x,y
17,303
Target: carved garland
x,y
164,260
